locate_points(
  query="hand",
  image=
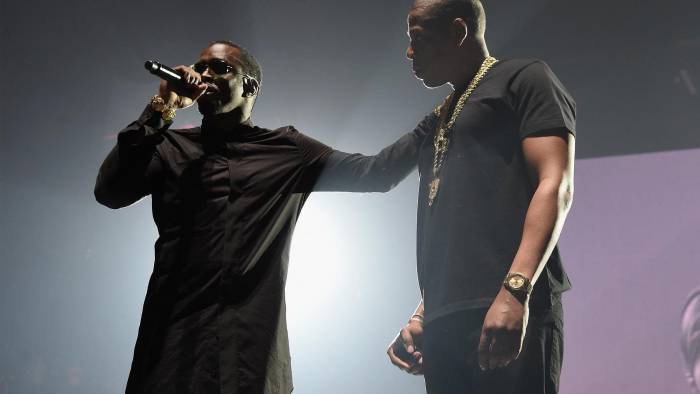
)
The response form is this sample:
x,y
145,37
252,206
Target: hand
x,y
179,96
404,349
503,331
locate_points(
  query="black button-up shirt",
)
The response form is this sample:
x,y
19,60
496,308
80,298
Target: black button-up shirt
x,y
225,202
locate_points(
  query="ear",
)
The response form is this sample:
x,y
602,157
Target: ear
x,y
460,30
250,86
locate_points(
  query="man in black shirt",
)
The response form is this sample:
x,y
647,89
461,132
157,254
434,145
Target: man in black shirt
x,y
496,185
226,197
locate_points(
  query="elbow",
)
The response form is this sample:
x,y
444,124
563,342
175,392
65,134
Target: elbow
x,y
559,190
569,197
105,198
566,195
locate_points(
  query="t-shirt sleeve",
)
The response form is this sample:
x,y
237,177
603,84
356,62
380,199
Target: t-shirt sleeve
x,y
541,101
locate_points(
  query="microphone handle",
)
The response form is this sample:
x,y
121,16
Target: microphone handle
x,y
168,74
163,72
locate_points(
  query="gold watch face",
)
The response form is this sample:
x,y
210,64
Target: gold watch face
x,y
516,282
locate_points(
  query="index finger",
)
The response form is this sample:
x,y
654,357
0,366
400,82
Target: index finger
x,y
407,341
184,68
484,350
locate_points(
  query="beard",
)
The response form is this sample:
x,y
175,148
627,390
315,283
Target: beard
x,y
210,105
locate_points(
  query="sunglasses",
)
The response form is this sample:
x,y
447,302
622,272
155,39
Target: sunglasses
x,y
217,66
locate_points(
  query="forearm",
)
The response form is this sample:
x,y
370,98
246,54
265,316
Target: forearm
x,y
122,180
124,175
377,173
543,224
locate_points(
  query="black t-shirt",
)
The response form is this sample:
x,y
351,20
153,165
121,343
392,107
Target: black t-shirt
x,y
467,240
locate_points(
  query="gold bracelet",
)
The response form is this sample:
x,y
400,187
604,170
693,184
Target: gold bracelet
x,y
167,111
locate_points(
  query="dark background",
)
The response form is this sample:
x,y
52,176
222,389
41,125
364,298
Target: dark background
x,y
73,273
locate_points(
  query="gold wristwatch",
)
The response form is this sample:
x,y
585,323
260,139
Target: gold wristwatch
x,y
518,284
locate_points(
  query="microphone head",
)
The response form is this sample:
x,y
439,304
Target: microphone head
x,y
162,71
151,65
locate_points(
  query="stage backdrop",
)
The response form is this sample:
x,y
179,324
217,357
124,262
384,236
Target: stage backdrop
x,y
631,246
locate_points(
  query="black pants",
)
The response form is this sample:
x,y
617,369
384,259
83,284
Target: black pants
x,y
450,356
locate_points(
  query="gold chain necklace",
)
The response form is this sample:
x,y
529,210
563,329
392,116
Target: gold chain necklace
x,y
441,140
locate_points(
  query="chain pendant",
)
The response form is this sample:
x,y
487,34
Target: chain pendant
x,y
434,186
441,140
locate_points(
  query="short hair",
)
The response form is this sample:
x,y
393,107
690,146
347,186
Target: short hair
x,y
690,335
248,62
441,13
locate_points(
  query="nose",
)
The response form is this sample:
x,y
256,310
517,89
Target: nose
x,y
206,75
409,52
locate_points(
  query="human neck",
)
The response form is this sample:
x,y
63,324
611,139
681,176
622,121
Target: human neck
x,y
227,120
468,65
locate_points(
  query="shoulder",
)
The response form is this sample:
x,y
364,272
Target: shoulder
x,y
264,133
310,147
285,136
191,133
292,133
287,133
288,130
517,64
513,70
530,75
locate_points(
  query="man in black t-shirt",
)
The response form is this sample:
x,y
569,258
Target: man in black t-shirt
x,y
496,185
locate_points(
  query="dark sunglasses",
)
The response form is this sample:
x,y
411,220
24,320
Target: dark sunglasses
x,y
217,66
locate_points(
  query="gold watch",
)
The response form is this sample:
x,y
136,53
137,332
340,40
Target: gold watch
x,y
518,284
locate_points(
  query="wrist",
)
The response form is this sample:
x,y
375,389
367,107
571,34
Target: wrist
x,y
166,110
508,297
518,285
416,318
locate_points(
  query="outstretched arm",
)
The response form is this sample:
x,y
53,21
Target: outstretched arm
x,y
327,169
379,173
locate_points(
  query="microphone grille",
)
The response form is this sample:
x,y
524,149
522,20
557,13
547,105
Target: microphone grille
x,y
152,65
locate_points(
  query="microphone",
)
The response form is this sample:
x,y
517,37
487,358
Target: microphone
x,y
168,74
